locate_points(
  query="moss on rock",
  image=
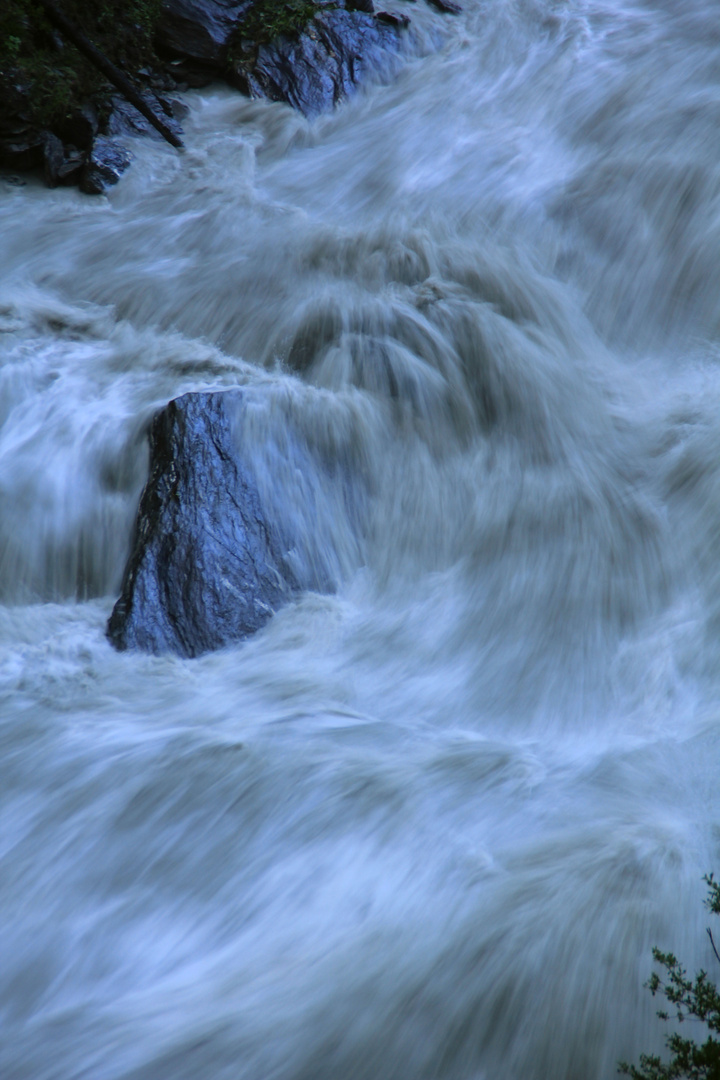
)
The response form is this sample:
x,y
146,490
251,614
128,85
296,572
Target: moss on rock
x,y
49,73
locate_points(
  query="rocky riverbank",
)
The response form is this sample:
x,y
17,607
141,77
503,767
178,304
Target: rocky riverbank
x,y
65,109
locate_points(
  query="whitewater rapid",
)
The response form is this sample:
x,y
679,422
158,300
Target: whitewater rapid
x,y
428,825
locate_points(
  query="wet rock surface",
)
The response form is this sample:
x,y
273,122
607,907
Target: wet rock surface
x,y
206,566
104,166
337,52
126,120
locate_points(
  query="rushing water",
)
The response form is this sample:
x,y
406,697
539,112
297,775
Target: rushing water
x,y
429,825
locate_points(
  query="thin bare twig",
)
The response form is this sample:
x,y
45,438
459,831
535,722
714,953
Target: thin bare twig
x,y
709,934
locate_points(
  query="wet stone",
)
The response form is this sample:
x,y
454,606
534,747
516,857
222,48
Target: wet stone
x,y
206,567
126,120
106,163
337,52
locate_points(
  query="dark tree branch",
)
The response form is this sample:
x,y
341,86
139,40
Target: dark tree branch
x,y
113,74
709,934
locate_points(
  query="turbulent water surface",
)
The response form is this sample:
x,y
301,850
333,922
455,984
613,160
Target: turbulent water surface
x,y
430,824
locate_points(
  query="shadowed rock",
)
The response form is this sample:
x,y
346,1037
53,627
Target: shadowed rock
x,y
199,29
22,143
126,120
447,7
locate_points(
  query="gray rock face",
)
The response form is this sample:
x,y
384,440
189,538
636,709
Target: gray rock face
x,y
126,120
105,164
199,29
335,54
206,568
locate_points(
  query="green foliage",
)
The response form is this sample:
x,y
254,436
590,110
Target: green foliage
x,y
268,19
695,999
49,72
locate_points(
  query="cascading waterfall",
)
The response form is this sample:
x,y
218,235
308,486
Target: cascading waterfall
x,y
426,826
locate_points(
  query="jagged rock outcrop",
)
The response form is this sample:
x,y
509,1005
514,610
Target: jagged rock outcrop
x,y
335,54
200,29
126,120
312,70
210,560
104,165
246,505
62,164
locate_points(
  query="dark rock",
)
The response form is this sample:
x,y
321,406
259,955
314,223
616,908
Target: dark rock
x,y
21,142
361,5
81,127
199,29
53,158
22,152
206,567
447,7
246,505
393,18
60,164
192,75
105,164
126,120
336,53
178,108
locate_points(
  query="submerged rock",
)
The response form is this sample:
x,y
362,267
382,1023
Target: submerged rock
x,y
206,567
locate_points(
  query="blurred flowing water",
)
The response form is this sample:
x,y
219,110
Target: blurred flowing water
x,y
428,825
